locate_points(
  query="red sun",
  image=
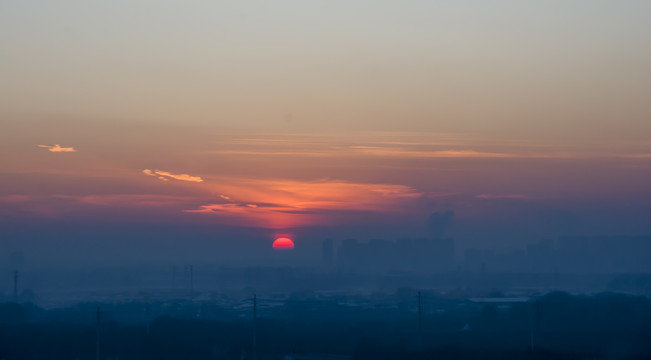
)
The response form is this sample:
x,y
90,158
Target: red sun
x,y
283,243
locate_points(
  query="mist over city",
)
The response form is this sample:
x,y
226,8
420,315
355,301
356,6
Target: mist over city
x,y
325,180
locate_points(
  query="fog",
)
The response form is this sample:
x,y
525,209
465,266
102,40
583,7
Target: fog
x,y
452,180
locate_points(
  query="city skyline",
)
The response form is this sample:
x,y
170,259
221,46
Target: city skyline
x,y
325,179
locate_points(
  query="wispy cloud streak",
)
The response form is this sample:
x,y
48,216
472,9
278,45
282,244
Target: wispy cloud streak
x,y
58,148
409,146
166,175
503,196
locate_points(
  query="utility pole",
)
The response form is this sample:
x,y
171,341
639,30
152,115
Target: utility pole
x,y
16,286
537,321
147,318
535,324
531,338
255,317
420,322
98,326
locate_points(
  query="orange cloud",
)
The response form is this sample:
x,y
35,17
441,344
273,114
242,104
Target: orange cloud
x,y
58,148
284,203
165,176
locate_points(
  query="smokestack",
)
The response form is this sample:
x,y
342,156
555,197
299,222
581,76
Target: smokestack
x,y
185,276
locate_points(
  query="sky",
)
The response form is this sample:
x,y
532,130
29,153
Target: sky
x,y
226,121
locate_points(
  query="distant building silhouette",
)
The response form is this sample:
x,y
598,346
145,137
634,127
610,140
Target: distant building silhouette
x,y
405,255
575,254
604,254
541,256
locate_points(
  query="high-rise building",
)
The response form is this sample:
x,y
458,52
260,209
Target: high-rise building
x,y
328,253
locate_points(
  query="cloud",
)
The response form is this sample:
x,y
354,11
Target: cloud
x,y
377,151
503,196
58,148
165,176
406,145
392,146
410,153
59,205
287,203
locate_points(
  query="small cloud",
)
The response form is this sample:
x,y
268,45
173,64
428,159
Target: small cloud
x,y
165,176
58,148
183,177
225,197
504,196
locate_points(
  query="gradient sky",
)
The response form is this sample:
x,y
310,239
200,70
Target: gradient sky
x,y
326,118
